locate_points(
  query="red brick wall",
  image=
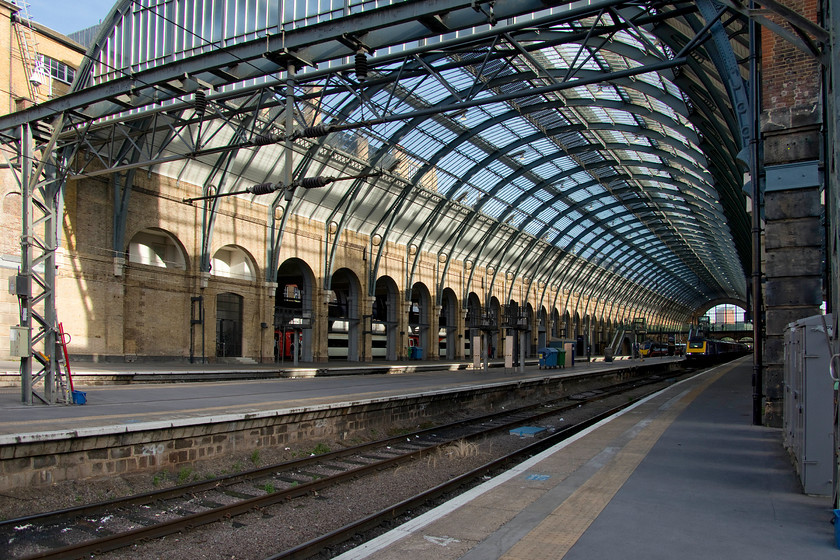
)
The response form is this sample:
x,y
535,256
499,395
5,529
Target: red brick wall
x,y
790,78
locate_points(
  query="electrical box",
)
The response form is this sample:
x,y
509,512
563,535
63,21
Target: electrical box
x,y
19,285
19,342
809,403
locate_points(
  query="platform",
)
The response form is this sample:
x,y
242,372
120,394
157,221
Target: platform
x,y
227,390
683,474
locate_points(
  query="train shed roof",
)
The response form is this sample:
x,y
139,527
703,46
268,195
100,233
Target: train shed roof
x,y
584,144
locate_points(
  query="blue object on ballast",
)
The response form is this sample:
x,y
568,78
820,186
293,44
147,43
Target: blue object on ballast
x,y
526,431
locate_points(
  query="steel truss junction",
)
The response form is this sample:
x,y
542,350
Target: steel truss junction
x,y
587,145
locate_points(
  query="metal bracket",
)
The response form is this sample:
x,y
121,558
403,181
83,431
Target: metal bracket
x,y
793,176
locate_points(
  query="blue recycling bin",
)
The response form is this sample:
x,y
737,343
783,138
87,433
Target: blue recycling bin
x,y
548,357
416,353
836,522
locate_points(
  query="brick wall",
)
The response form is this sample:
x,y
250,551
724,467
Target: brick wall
x,y
790,81
791,131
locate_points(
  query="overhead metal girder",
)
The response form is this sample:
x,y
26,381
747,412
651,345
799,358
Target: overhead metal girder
x,y
399,23
597,223
615,241
420,173
727,65
804,29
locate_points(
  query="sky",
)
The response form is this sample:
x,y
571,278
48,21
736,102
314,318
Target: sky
x,y
67,16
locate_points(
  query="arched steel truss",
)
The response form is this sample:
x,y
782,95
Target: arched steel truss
x,y
586,146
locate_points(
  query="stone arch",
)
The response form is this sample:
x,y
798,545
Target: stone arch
x,y
567,326
588,334
601,338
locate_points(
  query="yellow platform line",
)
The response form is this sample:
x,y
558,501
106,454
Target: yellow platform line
x,y
562,528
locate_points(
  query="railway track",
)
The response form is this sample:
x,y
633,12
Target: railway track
x,y
101,527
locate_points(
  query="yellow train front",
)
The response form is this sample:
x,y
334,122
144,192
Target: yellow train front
x,y
710,350
651,349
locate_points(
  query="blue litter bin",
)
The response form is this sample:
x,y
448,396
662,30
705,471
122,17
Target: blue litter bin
x,y
418,353
548,357
837,527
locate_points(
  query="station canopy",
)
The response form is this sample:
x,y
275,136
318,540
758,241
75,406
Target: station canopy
x,y
589,146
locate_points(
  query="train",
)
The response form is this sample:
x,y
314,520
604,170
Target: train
x,y
283,344
337,340
709,350
652,349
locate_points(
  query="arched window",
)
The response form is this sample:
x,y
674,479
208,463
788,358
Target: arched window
x,y
156,248
232,262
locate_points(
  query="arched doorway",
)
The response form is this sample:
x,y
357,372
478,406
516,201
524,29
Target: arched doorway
x,y
511,332
472,323
343,316
447,325
418,319
383,321
567,326
228,325
496,313
530,346
542,329
293,311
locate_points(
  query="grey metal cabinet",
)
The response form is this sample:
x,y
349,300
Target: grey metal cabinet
x,y
809,403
